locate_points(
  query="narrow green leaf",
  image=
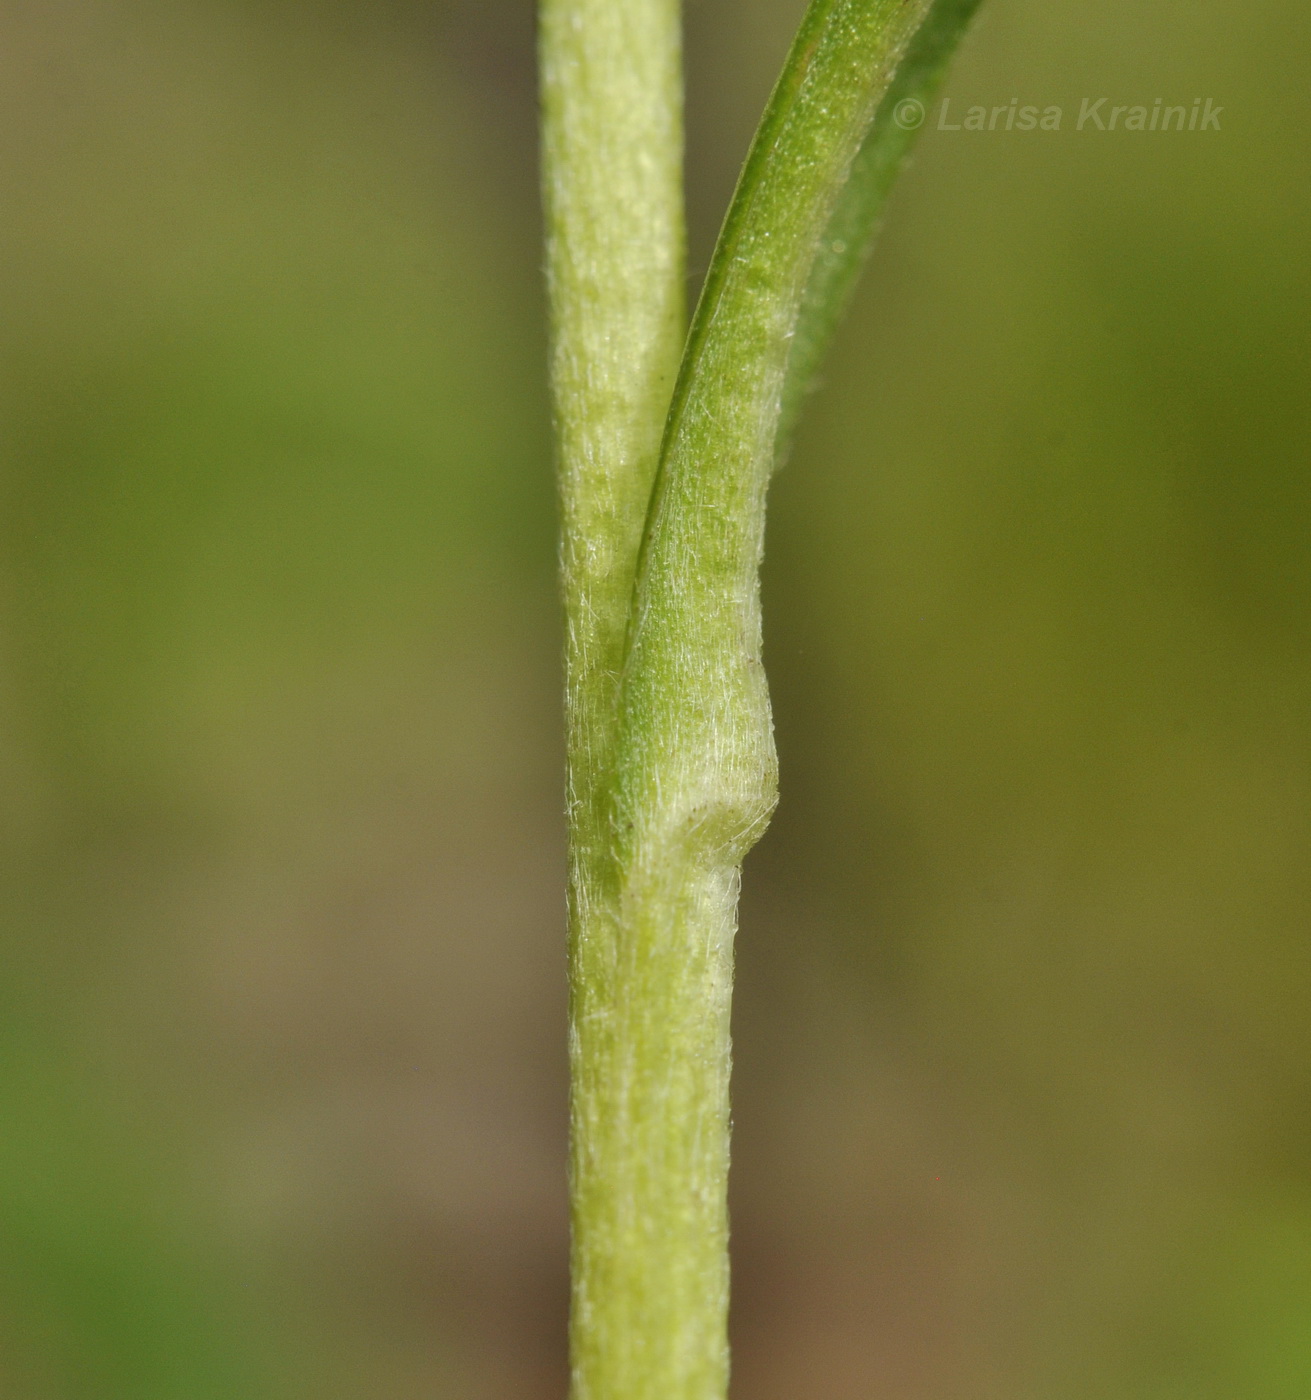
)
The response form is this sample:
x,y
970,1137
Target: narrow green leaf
x,y
855,222
695,703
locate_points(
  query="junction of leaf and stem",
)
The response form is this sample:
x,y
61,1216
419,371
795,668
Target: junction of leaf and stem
x,y
666,440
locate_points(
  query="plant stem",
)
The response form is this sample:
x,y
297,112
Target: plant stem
x,y
696,773
612,165
672,774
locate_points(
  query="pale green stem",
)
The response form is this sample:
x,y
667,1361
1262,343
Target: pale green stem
x,y
612,163
612,168
671,759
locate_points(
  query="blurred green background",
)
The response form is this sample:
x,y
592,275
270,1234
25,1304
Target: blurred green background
x,y
1023,1096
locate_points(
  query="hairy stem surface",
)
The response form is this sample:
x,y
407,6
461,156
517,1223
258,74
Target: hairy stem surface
x,y
612,167
671,757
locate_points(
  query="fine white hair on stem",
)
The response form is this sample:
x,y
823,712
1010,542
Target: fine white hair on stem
x,y
665,453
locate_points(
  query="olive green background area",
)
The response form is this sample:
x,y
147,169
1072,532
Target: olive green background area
x,y
1023,1096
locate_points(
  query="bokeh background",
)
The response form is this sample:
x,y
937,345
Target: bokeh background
x,y
1023,1095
